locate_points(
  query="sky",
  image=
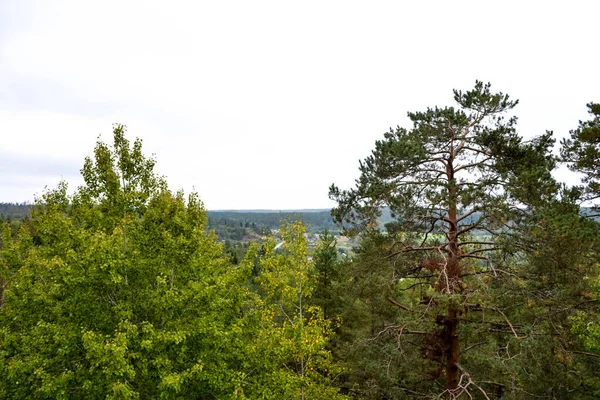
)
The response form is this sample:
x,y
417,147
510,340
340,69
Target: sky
x,y
265,104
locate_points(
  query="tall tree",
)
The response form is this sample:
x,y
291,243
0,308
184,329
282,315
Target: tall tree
x,y
455,182
119,292
551,298
582,153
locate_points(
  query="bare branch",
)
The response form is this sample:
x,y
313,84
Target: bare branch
x,y
466,215
476,150
411,249
394,302
474,164
458,148
471,226
585,353
475,242
428,232
477,257
479,251
508,322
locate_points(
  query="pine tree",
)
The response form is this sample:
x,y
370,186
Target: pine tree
x,y
455,184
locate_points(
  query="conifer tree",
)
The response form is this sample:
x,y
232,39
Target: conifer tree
x,y
582,151
456,183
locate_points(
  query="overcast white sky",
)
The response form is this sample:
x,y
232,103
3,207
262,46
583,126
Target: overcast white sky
x,y
264,104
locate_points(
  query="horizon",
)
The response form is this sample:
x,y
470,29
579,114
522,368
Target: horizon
x,y
240,210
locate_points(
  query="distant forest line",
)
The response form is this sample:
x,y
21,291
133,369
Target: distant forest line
x,y
230,224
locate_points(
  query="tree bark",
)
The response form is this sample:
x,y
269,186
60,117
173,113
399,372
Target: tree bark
x,y
449,333
450,337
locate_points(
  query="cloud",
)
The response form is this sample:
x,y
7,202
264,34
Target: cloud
x,y
265,104
28,165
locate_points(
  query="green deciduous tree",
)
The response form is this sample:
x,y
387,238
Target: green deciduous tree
x,y
296,332
118,291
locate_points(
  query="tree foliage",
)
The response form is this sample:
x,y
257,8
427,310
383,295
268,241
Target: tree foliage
x,y
118,291
298,333
459,184
582,151
484,281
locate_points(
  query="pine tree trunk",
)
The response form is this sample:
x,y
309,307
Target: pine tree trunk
x,y
452,352
453,270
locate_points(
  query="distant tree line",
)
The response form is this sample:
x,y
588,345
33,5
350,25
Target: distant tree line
x,y
314,220
14,211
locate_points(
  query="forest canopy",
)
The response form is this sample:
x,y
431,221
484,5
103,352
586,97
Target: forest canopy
x,y
474,273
